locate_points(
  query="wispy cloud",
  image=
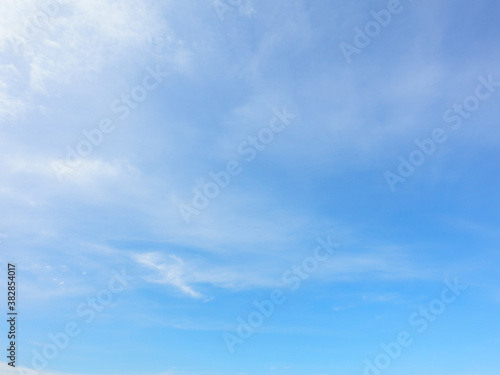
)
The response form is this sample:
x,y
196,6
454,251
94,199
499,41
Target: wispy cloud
x,y
79,38
170,270
323,175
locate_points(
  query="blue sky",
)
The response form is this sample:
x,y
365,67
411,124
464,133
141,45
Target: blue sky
x,y
205,78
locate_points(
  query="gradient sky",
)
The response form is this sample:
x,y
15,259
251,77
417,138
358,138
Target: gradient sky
x,y
222,81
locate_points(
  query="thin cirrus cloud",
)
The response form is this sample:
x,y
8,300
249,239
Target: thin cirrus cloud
x,y
183,274
78,38
170,270
324,174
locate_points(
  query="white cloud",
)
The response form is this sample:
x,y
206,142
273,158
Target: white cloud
x,y
255,272
171,271
76,38
91,171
